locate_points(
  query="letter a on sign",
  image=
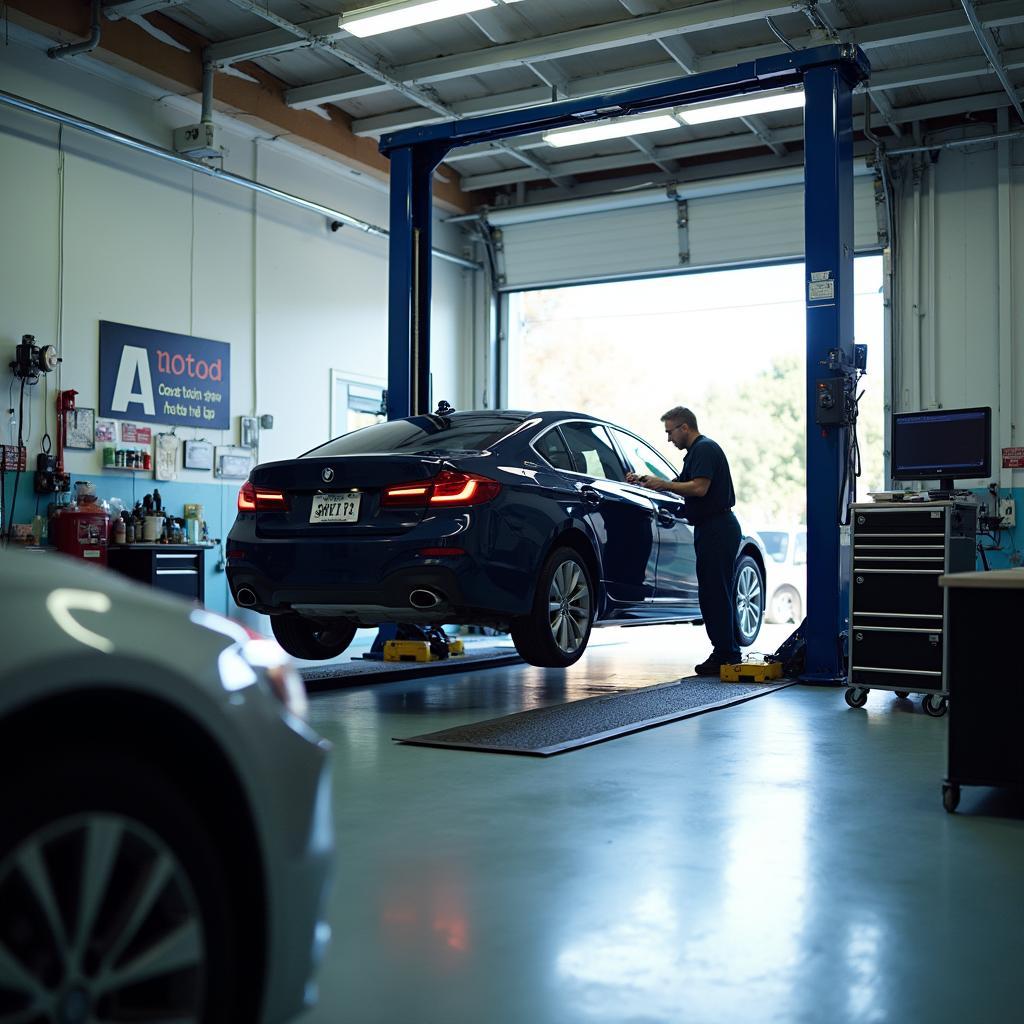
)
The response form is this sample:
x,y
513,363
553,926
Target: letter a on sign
x,y
134,361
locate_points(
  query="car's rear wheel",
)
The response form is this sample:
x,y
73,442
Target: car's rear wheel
x,y
748,598
115,899
314,641
785,606
556,631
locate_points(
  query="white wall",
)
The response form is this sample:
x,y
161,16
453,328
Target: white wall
x,y
967,282
155,245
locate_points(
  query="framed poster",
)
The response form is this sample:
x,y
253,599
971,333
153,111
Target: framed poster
x,y
198,455
166,461
81,429
232,463
106,430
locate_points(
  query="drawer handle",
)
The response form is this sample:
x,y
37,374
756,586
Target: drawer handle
x,y
163,555
898,671
177,572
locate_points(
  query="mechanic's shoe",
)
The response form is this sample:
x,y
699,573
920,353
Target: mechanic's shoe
x,y
708,668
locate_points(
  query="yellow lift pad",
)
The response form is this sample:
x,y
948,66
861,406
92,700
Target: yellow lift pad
x,y
751,672
417,650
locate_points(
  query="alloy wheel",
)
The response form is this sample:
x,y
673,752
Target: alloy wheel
x,y
749,600
568,606
101,923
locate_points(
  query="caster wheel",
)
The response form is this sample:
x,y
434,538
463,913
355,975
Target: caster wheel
x,y
934,705
950,796
903,694
856,697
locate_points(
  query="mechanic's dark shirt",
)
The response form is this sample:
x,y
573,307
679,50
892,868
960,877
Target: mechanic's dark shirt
x,y
705,458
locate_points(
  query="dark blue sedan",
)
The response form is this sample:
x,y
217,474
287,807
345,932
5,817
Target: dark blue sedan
x,y
522,521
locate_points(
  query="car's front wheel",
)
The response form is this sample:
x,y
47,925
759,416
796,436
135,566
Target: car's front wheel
x,y
556,631
748,598
313,641
115,897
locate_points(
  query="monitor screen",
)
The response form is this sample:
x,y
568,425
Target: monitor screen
x,y
942,444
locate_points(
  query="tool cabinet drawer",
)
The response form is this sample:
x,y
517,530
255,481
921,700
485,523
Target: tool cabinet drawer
x,y
888,647
907,590
900,520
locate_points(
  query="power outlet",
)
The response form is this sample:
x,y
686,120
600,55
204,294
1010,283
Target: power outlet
x,y
1007,513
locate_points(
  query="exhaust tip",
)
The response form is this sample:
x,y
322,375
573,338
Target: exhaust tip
x,y
424,599
246,597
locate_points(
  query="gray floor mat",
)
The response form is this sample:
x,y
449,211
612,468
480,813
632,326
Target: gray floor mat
x,y
542,732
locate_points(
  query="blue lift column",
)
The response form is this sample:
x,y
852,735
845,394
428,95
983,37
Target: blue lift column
x,y
828,234
409,277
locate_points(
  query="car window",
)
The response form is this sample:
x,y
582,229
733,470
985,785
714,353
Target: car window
x,y
460,432
776,543
800,548
552,449
592,451
642,458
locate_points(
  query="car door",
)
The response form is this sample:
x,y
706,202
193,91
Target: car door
x,y
676,581
621,515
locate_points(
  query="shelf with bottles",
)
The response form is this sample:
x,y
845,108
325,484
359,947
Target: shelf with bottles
x,y
131,458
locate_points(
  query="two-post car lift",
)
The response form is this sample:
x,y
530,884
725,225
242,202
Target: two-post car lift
x,y
828,75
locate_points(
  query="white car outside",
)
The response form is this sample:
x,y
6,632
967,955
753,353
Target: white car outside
x,y
166,834
786,572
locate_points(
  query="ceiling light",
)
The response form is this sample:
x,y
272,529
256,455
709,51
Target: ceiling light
x,y
613,129
744,106
372,21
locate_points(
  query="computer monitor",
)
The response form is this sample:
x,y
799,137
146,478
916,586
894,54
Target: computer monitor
x,y
942,444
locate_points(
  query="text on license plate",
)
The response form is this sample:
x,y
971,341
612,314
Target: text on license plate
x,y
335,508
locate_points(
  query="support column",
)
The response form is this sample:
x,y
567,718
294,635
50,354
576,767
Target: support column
x,y
409,279
828,234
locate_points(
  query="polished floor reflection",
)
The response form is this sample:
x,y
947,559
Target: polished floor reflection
x,y
785,860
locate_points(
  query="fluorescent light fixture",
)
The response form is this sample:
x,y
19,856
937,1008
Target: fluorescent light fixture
x,y
372,21
619,128
741,106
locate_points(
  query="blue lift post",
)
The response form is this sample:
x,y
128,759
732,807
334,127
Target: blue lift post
x,y
828,75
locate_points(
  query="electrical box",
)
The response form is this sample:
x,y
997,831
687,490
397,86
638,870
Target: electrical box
x,y
197,140
830,403
1007,513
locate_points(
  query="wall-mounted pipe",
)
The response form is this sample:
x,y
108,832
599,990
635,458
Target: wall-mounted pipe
x,y
977,140
87,45
916,398
89,128
207,109
1006,324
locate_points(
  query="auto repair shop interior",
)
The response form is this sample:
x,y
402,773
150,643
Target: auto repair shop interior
x,y
363,658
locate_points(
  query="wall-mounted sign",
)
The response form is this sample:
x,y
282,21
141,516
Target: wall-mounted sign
x,y
132,433
1013,458
158,377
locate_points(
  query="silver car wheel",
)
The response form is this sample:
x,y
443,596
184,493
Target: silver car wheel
x,y
568,606
749,600
109,927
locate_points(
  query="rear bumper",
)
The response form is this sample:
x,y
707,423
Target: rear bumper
x,y
371,584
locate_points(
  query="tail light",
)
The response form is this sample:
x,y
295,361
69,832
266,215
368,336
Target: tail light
x,y
448,488
261,499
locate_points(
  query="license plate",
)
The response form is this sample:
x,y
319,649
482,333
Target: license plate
x,y
335,508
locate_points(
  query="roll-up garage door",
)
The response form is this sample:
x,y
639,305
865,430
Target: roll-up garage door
x,y
718,231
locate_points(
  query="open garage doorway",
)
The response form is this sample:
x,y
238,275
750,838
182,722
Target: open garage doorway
x,y
729,344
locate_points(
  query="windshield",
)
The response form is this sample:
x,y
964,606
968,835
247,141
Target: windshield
x,y
776,543
419,435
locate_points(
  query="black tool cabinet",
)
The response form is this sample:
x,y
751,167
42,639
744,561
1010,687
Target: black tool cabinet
x,y
986,687
897,608
177,568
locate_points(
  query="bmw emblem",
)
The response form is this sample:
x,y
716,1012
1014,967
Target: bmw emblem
x,y
327,475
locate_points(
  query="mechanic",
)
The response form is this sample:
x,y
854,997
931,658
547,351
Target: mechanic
x,y
706,484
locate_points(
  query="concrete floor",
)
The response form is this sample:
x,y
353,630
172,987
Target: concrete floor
x,y
787,859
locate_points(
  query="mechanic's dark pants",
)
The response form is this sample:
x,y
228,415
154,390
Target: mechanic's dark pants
x,y
715,543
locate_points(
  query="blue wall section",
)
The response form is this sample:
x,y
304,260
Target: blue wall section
x,y
1011,542
218,501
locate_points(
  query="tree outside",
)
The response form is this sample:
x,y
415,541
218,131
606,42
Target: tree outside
x,y
730,345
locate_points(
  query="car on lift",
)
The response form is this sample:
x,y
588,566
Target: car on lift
x,y
166,836
520,521
786,547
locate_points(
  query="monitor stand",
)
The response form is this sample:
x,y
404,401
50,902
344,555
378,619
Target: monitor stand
x,y
945,490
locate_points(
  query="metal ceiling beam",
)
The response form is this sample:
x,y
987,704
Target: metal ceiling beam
x,y
716,14
722,144
891,33
991,50
881,81
136,8
376,68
